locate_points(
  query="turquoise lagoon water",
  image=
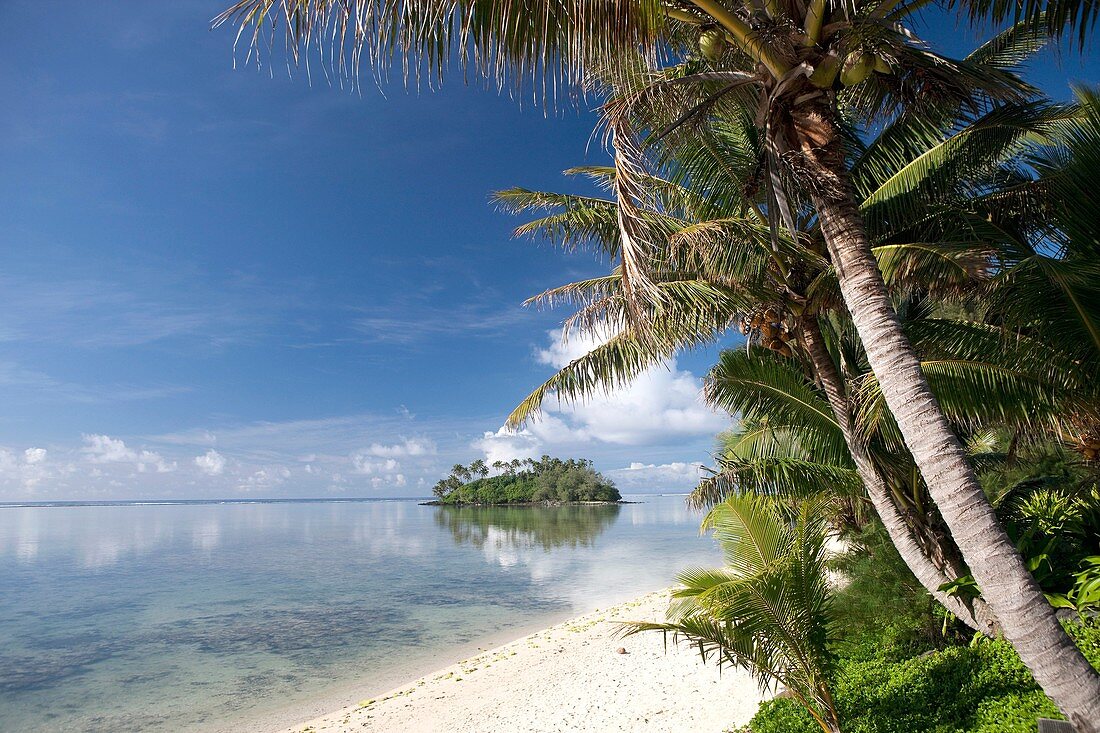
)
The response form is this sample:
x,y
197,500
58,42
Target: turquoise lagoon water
x,y
216,616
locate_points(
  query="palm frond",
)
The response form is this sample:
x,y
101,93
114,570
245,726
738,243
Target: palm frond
x,y
607,366
758,384
786,477
770,610
550,44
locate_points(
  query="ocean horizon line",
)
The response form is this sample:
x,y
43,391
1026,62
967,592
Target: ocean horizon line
x,y
63,503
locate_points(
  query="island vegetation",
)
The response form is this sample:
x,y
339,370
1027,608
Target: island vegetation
x,y
543,481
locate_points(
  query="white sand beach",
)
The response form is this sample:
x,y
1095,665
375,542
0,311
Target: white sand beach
x,y
569,677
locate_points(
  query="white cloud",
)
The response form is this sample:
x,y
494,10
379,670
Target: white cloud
x,y
657,420
649,476
408,447
211,463
387,472
105,449
504,445
34,456
363,464
264,478
662,405
27,474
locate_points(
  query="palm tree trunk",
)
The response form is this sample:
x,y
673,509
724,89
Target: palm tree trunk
x,y
1027,619
978,616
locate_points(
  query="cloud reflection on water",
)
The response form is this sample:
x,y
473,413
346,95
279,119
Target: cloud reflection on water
x,y
207,611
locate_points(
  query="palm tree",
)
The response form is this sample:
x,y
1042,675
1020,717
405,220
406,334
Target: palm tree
x,y
796,66
1015,394
478,468
883,198
789,443
806,151
747,285
769,610
461,473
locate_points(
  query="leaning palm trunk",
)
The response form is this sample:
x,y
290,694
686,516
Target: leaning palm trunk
x,y
1027,619
977,615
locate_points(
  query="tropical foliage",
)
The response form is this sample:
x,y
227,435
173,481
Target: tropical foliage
x,y
982,688
546,480
769,610
973,296
895,671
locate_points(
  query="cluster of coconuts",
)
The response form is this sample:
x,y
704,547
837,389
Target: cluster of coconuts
x,y
770,330
856,67
859,65
852,69
1089,446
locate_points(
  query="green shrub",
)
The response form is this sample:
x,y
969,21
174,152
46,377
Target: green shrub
x,y
884,612
983,688
897,673
783,716
962,689
1086,634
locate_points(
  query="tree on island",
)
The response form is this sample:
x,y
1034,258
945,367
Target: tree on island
x,y
547,480
479,469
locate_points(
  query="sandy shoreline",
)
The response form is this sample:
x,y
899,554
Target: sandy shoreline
x,y
568,677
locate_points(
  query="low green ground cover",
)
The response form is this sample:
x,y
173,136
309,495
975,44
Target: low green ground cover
x,y
901,669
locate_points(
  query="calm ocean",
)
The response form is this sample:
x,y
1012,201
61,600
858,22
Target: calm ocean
x,y
153,617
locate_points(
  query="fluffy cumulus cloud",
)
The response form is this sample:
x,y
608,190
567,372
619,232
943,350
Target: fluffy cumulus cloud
x,y
264,479
23,471
34,456
380,463
211,463
655,477
661,406
365,465
505,444
105,449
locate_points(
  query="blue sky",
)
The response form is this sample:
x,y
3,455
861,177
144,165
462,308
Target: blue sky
x,y
223,282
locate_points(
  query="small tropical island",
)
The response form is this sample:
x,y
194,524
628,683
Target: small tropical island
x,y
528,482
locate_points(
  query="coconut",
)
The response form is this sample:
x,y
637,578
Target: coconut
x,y
712,43
825,74
857,67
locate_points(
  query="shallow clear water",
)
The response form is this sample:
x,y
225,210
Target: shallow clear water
x,y
189,617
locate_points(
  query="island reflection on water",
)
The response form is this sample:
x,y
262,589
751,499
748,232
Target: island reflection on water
x,y
190,617
524,527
